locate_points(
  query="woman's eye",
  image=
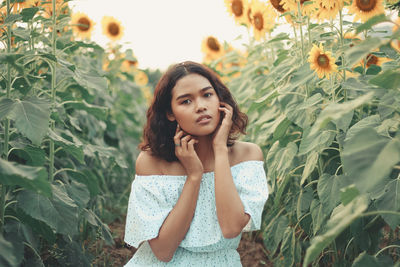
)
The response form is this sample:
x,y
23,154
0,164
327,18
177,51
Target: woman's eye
x,y
187,101
208,94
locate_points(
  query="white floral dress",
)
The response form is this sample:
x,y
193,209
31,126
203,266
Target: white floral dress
x,y
153,197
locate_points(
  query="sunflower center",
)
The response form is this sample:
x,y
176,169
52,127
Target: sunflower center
x,y
237,8
277,5
113,28
212,43
85,24
372,60
323,61
366,5
258,21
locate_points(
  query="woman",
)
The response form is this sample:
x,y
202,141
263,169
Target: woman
x,y
196,188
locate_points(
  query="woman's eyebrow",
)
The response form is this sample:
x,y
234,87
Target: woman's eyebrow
x,y
202,90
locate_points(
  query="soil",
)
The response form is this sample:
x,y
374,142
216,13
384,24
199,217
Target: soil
x,y
251,250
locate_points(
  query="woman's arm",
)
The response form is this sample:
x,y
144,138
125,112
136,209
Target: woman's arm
x,y
177,223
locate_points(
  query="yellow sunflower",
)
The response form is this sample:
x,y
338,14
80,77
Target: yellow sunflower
x,y
263,19
277,5
306,9
327,10
322,61
239,10
374,60
366,9
211,48
141,78
82,25
112,28
3,14
18,5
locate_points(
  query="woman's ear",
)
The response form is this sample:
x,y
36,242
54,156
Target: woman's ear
x,y
170,116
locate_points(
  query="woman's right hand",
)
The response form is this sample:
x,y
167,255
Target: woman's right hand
x,y
184,151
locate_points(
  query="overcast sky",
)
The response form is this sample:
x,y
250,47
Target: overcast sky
x,y
163,32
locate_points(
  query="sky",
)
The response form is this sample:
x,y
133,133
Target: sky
x,y
163,32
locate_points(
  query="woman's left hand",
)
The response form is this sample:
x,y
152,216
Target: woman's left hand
x,y
221,134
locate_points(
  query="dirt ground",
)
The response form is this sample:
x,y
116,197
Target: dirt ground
x,y
252,253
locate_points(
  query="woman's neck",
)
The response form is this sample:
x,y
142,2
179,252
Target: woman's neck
x,y
205,151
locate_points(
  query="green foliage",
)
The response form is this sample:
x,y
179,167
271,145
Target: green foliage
x,y
332,147
69,128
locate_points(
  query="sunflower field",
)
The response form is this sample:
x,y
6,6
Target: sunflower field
x,y
319,80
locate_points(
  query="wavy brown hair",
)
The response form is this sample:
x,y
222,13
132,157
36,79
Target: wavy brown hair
x,y
159,132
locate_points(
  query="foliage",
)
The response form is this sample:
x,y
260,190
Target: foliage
x,y
332,146
69,127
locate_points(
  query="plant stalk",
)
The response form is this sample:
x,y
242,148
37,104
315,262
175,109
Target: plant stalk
x,y
342,45
300,18
53,89
6,122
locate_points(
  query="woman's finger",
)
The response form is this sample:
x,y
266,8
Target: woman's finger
x,y
177,138
191,144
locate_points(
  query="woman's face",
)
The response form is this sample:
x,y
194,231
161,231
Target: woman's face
x,y
194,105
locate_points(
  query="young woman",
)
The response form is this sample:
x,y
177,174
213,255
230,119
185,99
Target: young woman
x,y
196,188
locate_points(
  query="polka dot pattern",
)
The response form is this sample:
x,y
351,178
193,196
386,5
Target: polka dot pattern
x,y
153,197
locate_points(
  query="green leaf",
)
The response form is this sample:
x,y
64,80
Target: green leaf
x,y
279,159
328,190
336,111
341,218
318,215
87,179
94,220
79,193
311,163
368,158
11,19
281,128
365,260
10,256
367,122
288,249
31,118
32,178
60,212
98,111
73,148
315,142
6,105
390,200
389,79
304,201
28,13
358,52
348,193
371,22
274,232
89,81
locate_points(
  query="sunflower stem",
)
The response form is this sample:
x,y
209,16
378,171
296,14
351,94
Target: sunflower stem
x,y
6,121
53,87
300,18
342,45
309,31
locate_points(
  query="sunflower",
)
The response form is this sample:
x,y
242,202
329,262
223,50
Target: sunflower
x,y
327,9
112,28
141,78
82,25
306,9
18,5
263,19
374,60
3,14
239,10
211,48
366,9
322,61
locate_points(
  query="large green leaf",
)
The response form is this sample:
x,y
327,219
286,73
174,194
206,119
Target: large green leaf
x,y
336,111
73,148
358,52
318,215
279,159
368,158
6,105
32,178
328,190
390,200
60,212
10,256
31,118
311,163
389,79
97,111
287,255
367,122
317,141
94,220
371,22
341,218
365,260
273,234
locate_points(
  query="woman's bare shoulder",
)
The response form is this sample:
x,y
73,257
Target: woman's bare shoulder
x,y
246,151
147,164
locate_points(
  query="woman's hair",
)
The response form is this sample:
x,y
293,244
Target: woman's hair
x,y
159,132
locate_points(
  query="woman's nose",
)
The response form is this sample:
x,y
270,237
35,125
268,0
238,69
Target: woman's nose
x,y
200,106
